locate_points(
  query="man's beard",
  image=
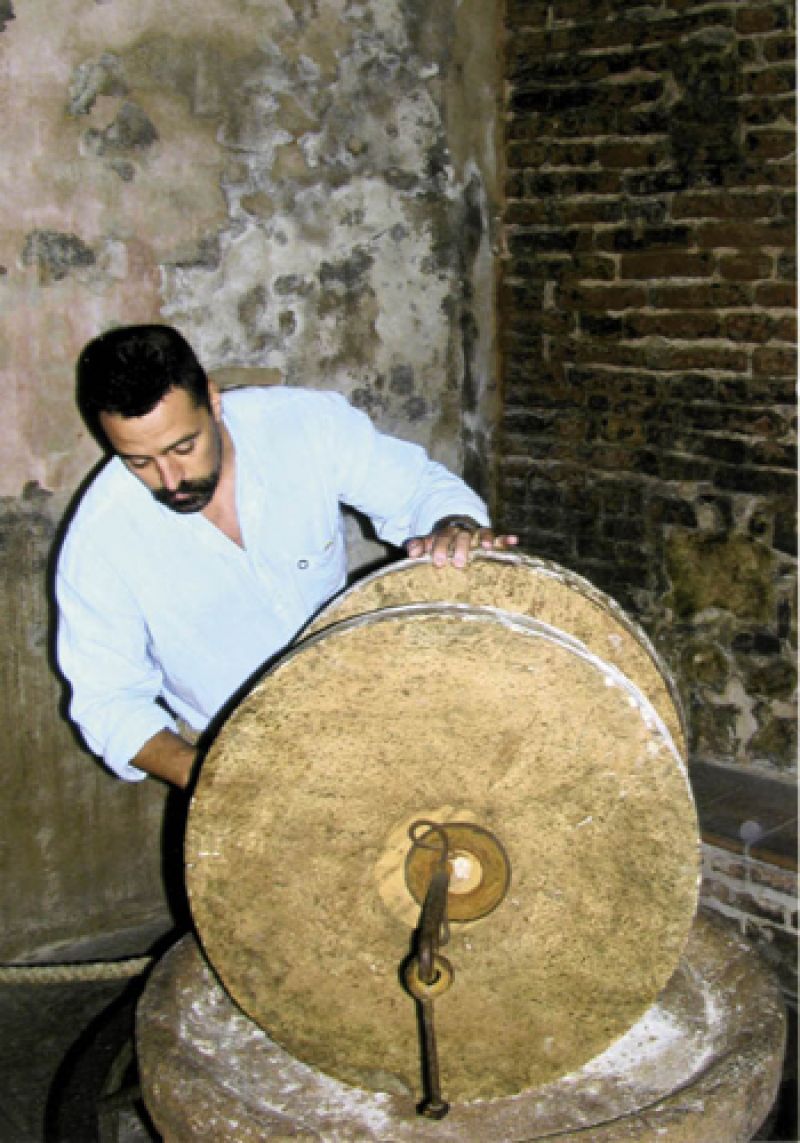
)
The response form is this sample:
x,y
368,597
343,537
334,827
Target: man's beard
x,y
190,495
194,495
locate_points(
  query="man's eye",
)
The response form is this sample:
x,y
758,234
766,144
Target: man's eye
x,y
184,449
137,462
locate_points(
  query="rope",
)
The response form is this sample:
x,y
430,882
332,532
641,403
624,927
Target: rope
x,y
71,973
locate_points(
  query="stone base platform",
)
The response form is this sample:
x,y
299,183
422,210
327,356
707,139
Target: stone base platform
x,y
703,1063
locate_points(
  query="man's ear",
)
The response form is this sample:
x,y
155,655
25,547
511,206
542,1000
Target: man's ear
x,y
215,399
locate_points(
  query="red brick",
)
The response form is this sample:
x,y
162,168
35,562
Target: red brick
x,y
527,213
770,81
746,267
591,210
772,362
562,154
629,238
589,268
520,128
745,234
725,204
598,299
701,295
750,21
765,112
747,50
778,294
537,239
774,174
788,206
748,326
666,264
659,355
630,155
520,156
591,33
785,329
787,266
515,186
764,144
570,183
576,9
685,325
779,49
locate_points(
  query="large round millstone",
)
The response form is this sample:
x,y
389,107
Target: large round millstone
x,y
298,836
539,588
702,1065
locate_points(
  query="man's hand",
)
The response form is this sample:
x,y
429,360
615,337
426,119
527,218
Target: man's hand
x,y
453,538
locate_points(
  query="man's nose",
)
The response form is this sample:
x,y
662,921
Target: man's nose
x,y
169,470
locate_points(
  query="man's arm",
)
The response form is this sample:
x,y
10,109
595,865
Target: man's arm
x,y
167,756
102,653
405,492
454,537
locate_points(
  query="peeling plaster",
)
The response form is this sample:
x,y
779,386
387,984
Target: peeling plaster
x,y
206,161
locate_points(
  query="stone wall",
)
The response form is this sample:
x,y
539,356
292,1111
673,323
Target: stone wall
x,y
649,327
308,190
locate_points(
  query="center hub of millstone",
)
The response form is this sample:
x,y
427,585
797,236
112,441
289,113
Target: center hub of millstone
x,y
480,872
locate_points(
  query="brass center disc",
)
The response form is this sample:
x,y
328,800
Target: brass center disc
x,y
480,871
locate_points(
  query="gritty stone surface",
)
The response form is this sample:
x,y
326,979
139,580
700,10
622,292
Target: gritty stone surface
x,y
538,588
451,714
702,1063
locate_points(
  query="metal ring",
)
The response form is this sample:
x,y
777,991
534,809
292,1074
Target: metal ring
x,y
422,991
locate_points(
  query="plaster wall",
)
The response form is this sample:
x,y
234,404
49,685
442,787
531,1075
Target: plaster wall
x,y
308,190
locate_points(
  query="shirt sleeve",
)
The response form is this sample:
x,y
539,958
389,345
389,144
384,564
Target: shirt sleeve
x,y
392,481
102,651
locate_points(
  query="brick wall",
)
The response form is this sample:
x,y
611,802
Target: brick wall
x,y
647,300
761,899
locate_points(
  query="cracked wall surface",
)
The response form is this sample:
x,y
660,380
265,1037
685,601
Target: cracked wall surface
x,y
307,189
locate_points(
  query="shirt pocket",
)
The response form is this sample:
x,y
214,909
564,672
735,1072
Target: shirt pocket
x,y
319,569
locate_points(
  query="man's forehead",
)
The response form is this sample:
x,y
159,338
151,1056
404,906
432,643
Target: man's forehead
x,y
175,417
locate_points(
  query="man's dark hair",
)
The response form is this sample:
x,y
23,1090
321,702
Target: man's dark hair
x,y
129,370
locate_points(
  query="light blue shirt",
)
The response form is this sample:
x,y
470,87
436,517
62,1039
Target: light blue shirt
x,y
155,605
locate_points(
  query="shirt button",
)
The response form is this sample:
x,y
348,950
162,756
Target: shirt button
x,y
302,564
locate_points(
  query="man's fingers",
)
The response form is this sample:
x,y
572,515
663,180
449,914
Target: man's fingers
x,y
488,541
453,543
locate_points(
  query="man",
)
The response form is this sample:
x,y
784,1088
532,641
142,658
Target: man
x,y
214,533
